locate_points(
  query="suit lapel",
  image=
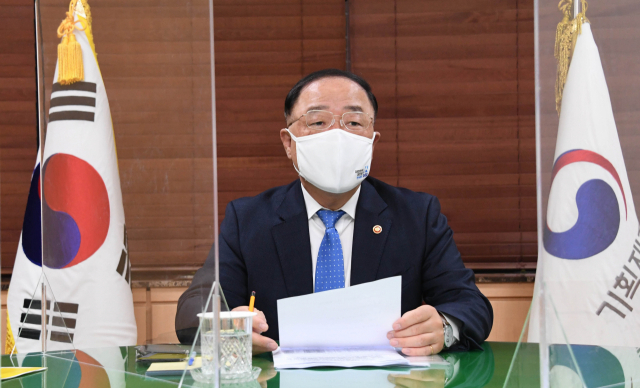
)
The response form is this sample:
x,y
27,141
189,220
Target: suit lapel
x,y
367,245
291,237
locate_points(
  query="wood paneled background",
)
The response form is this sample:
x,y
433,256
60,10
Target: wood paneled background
x,y
454,81
18,121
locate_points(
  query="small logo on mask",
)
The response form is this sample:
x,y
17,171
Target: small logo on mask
x,y
363,173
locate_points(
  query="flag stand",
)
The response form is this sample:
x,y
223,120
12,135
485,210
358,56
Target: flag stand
x,y
51,319
215,295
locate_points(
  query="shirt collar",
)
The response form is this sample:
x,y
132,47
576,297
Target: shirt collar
x,y
313,206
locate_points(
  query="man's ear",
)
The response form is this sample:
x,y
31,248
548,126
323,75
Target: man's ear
x,y
376,139
285,137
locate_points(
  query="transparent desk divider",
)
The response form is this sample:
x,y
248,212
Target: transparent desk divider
x,y
584,316
42,323
204,353
125,182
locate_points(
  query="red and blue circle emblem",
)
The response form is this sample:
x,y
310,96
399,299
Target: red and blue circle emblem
x,y
75,213
598,211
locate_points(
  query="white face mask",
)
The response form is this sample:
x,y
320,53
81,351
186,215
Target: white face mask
x,y
334,161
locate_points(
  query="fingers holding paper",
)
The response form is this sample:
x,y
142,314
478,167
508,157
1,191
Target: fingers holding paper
x,y
419,332
261,344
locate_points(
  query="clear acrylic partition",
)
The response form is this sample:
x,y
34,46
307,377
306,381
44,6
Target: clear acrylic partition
x,y
127,190
584,316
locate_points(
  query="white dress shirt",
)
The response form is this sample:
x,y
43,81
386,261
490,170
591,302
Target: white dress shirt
x,y
344,227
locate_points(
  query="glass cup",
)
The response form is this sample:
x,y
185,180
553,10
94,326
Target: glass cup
x,y
235,344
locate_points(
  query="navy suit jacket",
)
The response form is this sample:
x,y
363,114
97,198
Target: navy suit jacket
x,y
265,247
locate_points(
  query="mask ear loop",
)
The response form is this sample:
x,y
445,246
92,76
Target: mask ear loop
x,y
296,140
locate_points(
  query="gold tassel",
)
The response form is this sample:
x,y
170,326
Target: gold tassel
x,y
70,65
566,36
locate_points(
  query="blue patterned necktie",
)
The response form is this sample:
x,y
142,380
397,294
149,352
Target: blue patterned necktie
x,y
330,263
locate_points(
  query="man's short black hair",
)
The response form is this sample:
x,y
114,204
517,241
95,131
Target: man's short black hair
x,y
294,93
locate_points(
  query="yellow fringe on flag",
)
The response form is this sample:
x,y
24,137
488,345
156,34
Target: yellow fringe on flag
x,y
566,36
70,66
10,342
83,11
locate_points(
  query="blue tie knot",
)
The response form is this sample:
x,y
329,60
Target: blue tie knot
x,y
329,217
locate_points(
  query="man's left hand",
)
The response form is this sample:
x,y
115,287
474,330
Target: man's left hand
x,y
419,332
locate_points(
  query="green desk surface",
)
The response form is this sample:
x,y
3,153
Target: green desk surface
x,y
116,367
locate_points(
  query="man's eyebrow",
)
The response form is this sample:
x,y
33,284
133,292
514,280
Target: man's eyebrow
x,y
351,108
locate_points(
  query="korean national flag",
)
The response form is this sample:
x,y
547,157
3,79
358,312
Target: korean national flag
x,y
84,250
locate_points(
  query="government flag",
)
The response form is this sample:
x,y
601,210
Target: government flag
x,y
591,255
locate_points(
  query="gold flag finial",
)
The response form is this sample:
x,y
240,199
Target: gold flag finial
x,y
70,66
566,36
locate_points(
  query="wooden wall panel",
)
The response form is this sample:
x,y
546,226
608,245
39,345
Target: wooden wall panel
x,y
162,304
155,65
458,89
526,134
373,56
262,50
510,302
18,136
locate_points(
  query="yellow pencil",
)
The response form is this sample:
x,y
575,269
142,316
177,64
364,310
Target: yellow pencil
x,y
252,300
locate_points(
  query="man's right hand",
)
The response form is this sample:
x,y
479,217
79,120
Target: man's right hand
x,y
261,344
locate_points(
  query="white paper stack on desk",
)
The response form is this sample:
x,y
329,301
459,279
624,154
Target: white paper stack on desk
x,y
344,327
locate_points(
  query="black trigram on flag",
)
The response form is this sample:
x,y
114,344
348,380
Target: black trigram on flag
x,y
124,265
61,320
73,102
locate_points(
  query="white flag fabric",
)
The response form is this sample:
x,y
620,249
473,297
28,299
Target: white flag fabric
x,y
27,269
84,242
591,254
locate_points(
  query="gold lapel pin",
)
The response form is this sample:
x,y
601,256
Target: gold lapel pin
x,y
377,229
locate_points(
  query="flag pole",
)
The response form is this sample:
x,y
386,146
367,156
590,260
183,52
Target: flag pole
x,y
39,75
576,8
214,143
41,135
543,350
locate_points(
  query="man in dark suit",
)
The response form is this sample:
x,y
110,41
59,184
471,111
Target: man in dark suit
x,y
337,227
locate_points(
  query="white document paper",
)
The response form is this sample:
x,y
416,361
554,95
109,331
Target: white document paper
x,y
345,327
358,316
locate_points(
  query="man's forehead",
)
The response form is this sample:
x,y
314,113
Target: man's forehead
x,y
334,92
